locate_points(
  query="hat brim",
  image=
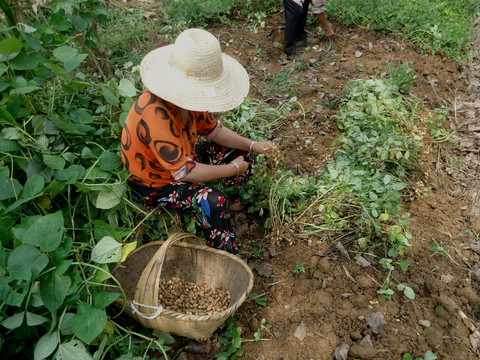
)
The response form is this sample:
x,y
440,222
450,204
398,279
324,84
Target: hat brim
x,y
223,93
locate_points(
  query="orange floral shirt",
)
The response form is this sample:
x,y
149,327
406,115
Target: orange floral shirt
x,y
157,148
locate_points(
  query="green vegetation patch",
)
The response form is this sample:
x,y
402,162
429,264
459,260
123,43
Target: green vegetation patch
x,y
443,26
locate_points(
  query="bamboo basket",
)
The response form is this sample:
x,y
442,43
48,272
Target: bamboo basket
x,y
141,272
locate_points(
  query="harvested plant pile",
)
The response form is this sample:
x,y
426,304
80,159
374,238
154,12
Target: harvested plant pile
x,y
192,299
274,157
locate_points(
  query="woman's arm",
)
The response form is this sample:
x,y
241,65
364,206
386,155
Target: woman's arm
x,y
205,173
228,138
232,140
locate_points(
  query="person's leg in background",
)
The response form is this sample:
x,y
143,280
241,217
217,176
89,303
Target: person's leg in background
x,y
294,20
320,13
302,34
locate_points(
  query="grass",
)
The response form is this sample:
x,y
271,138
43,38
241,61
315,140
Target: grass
x,y
436,26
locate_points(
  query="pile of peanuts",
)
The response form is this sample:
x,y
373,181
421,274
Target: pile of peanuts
x,y
274,156
192,299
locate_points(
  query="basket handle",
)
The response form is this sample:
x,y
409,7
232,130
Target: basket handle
x,y
147,287
135,310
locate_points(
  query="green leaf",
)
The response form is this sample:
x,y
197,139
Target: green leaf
x,y
387,179
70,174
54,162
409,293
33,187
46,346
11,133
64,327
403,265
9,188
59,71
24,62
126,88
64,53
10,48
5,115
4,234
34,319
54,289
429,355
14,321
101,299
89,322
73,350
385,292
107,200
24,89
66,126
26,263
108,250
3,68
32,42
80,85
94,173
55,187
109,161
74,62
8,146
46,232
8,295
101,276
26,28
79,23
102,229
81,116
164,338
59,22
109,96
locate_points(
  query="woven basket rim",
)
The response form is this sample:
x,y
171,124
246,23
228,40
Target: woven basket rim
x,y
199,318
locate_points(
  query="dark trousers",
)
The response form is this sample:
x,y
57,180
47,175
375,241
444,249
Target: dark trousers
x,y
295,21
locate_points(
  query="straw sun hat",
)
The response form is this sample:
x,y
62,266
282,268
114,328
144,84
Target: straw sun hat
x,y
194,74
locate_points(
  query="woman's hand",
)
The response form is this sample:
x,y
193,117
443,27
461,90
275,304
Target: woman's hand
x,y
261,147
242,165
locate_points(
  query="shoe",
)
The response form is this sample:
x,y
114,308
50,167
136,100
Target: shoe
x,y
297,57
302,42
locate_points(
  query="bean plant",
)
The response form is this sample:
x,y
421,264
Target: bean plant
x,y
360,192
64,207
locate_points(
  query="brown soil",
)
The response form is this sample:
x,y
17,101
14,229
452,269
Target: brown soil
x,y
331,300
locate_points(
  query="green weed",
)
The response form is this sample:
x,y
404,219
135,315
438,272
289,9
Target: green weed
x,y
429,355
233,343
259,299
439,248
300,267
438,133
196,13
435,26
402,77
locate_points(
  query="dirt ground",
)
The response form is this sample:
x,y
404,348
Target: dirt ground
x,y
313,315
